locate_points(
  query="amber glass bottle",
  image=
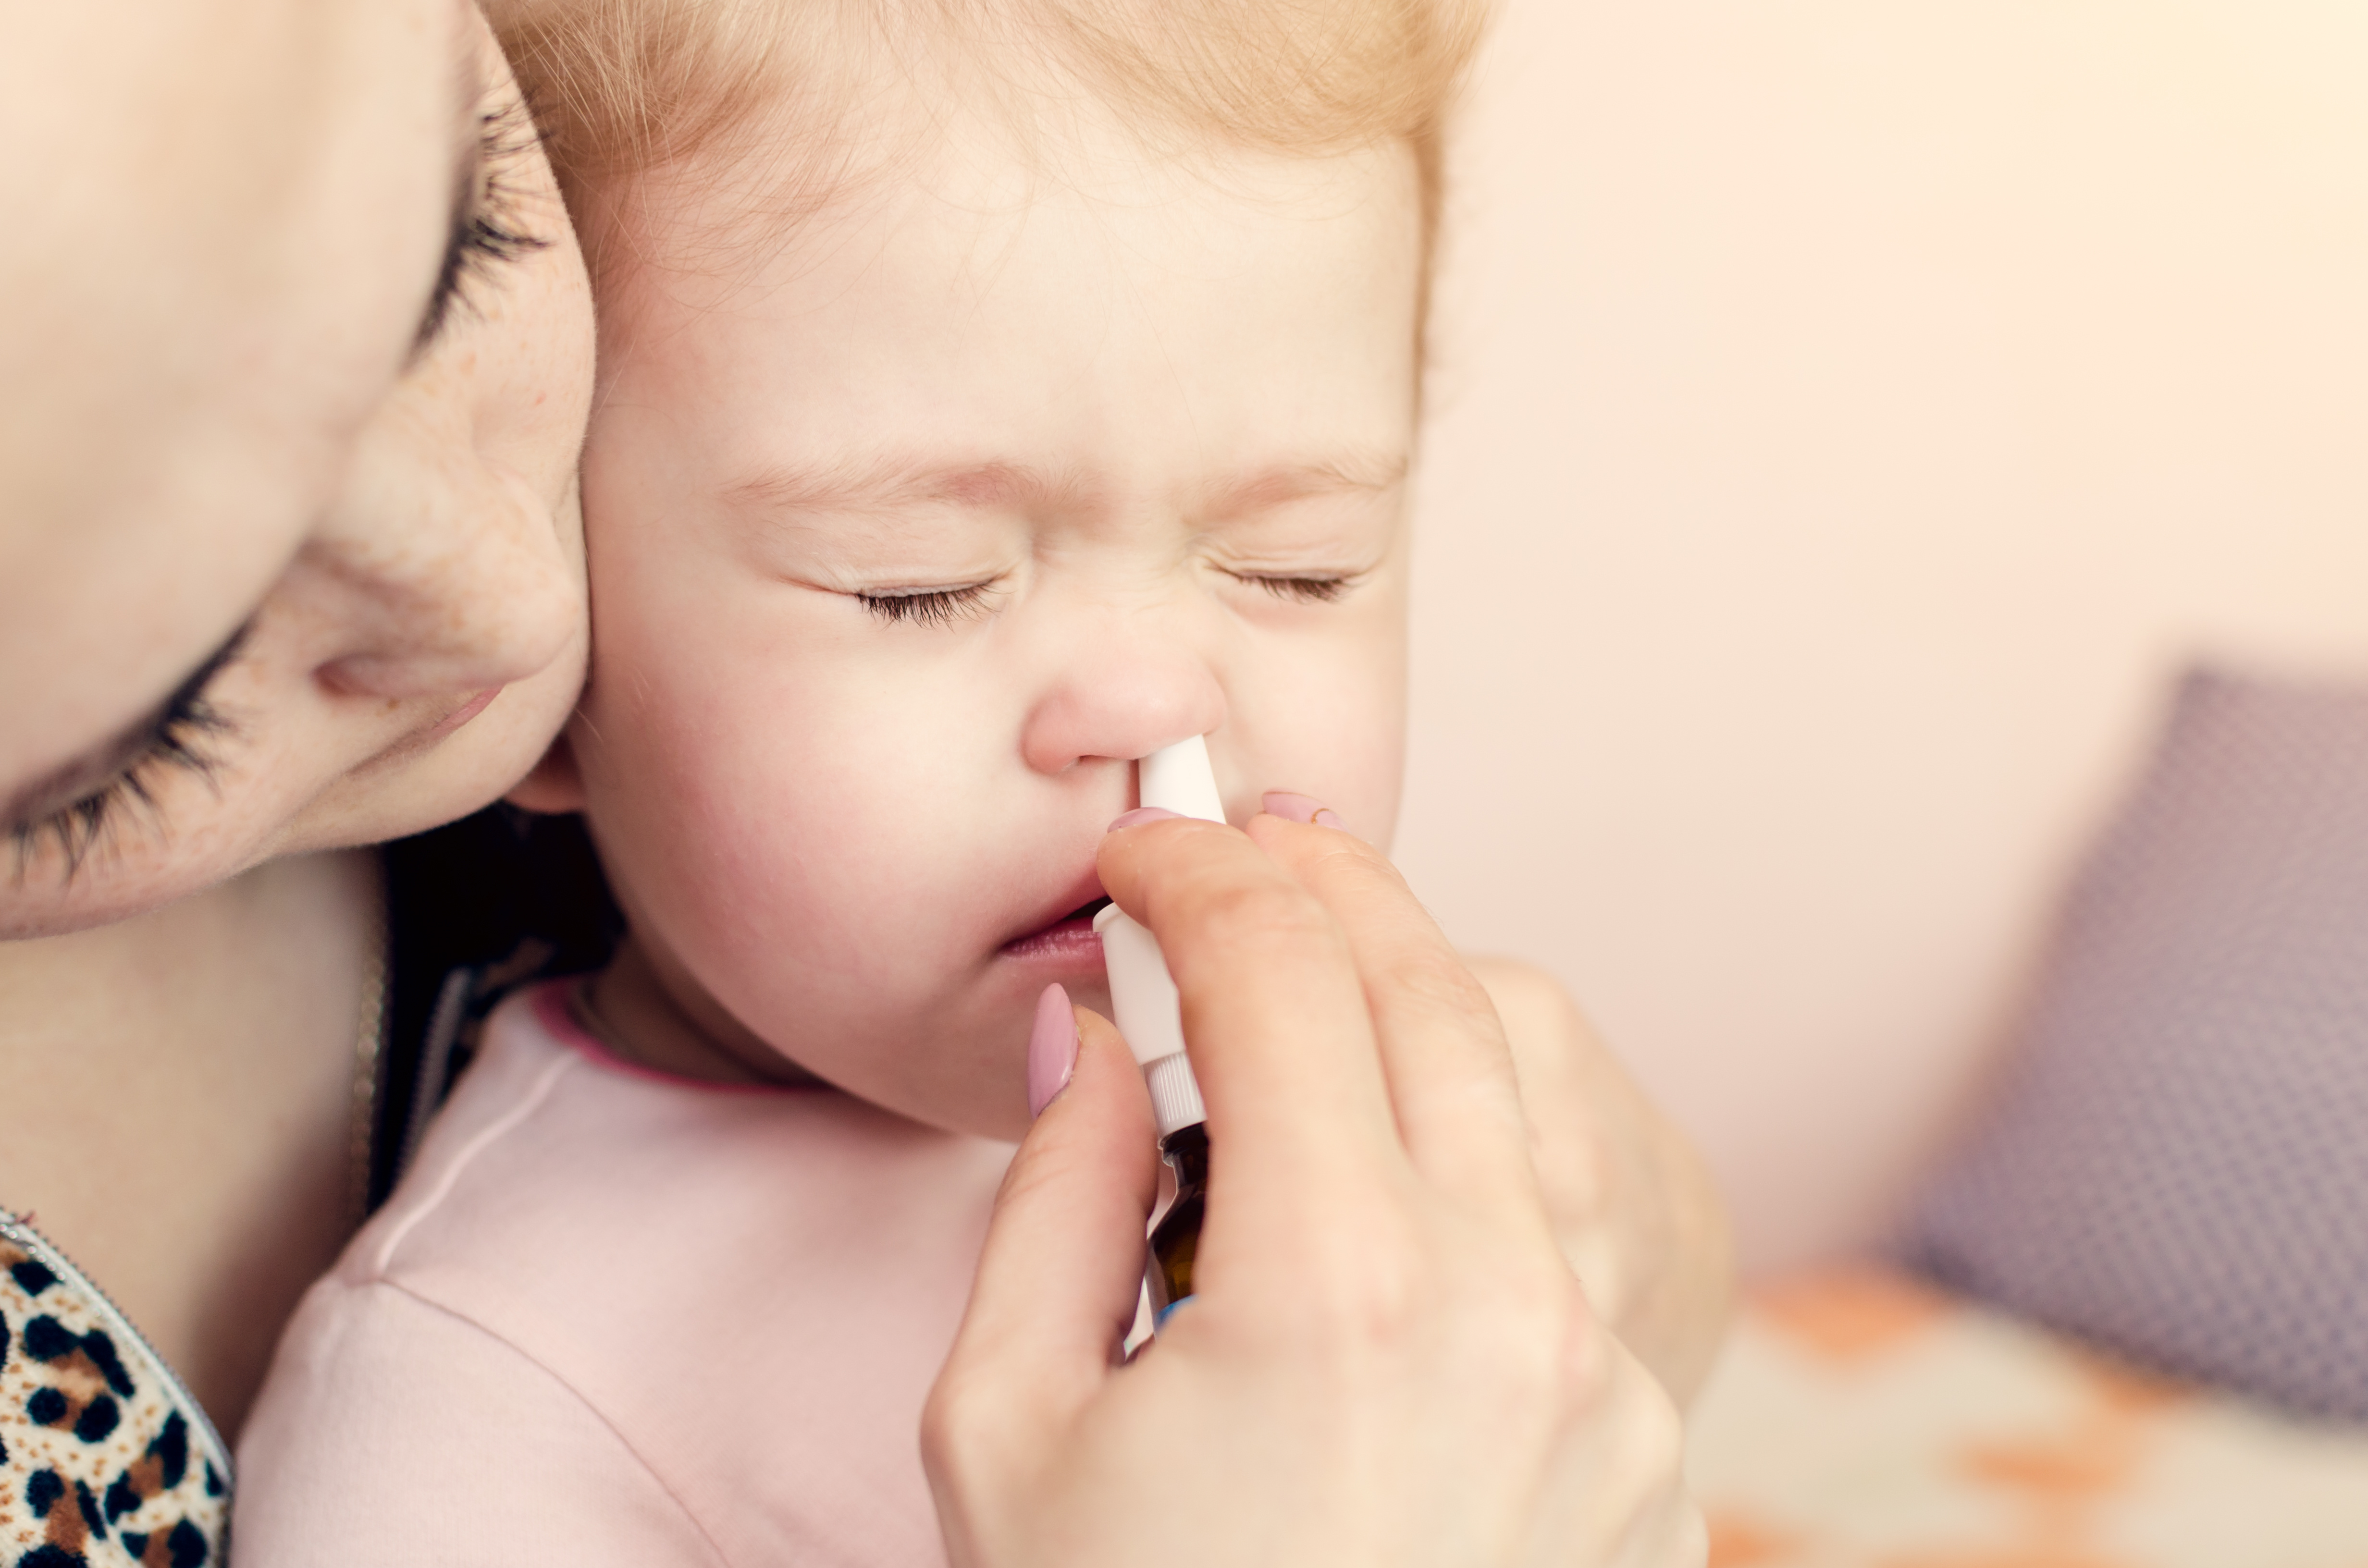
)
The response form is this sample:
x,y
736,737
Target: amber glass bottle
x,y
1175,1240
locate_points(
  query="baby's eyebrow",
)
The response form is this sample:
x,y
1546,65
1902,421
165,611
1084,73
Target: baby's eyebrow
x,y
887,482
1356,473
884,483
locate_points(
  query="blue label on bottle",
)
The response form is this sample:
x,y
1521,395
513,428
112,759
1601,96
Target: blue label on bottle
x,y
1167,1311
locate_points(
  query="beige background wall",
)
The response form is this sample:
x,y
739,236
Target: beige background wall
x,y
1849,410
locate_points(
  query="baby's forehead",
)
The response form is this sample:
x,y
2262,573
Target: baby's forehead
x,y
798,107
967,175
1055,269
1204,348
970,235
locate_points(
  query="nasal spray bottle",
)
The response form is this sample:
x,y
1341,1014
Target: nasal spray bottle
x,y
1142,994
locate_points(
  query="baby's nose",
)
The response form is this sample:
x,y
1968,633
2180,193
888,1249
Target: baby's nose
x,y
1123,702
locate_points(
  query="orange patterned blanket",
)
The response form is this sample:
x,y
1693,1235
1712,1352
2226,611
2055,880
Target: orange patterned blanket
x,y
1861,1420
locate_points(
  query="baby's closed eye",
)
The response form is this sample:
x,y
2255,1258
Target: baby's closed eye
x,y
929,607
1313,588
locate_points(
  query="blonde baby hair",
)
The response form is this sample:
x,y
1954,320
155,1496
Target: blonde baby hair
x,y
770,87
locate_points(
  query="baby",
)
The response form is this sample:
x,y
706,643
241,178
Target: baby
x,y
989,395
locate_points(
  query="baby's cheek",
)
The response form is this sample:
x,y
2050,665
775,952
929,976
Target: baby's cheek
x,y
1377,772
822,901
1330,722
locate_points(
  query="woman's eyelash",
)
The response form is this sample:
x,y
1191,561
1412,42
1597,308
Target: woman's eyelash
x,y
178,739
486,230
1301,590
933,606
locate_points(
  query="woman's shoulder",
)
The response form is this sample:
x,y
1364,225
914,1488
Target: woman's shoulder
x,y
108,1444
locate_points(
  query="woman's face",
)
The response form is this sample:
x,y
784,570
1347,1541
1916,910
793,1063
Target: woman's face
x,y
289,553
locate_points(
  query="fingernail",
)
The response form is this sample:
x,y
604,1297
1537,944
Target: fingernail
x,y
1140,815
1051,1048
1302,808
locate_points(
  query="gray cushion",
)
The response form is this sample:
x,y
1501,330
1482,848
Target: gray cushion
x,y
2175,1166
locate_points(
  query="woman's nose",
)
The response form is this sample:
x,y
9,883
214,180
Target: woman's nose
x,y
455,583
1122,700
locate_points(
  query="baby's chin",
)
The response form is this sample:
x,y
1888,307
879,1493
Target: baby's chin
x,y
966,1073
975,1087
999,1112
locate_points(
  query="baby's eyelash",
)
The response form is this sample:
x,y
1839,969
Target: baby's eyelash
x,y
179,740
931,606
1300,590
486,230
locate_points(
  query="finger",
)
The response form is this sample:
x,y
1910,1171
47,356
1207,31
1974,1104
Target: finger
x,y
1281,1041
1626,1479
1062,1264
1593,1138
1449,1067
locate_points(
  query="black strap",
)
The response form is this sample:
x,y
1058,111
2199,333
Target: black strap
x,y
474,910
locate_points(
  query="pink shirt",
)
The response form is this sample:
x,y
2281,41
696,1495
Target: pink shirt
x,y
612,1316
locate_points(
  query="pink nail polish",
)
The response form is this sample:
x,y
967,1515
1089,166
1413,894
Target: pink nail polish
x,y
1051,1048
1140,815
1302,808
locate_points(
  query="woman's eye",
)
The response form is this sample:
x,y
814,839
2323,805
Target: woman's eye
x,y
929,607
1300,590
487,231
181,738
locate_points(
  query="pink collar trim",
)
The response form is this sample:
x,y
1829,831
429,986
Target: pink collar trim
x,y
558,1021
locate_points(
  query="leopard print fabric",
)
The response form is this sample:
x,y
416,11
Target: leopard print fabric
x,y
105,1460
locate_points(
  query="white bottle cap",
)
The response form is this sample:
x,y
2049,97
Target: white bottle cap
x,y
1175,1093
1142,994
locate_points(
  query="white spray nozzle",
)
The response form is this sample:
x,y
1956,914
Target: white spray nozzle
x,y
1179,779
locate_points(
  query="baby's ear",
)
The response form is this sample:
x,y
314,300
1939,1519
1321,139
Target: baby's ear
x,y
555,784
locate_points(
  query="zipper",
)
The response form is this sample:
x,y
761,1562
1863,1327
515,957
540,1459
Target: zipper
x,y
45,1252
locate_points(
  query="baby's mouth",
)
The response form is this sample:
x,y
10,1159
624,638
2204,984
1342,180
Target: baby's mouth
x,y
1071,937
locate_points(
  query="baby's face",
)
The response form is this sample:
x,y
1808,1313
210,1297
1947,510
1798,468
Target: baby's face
x,y
907,539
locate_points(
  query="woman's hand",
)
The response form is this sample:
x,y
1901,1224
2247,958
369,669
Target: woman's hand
x,y
1388,1359
1631,1202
